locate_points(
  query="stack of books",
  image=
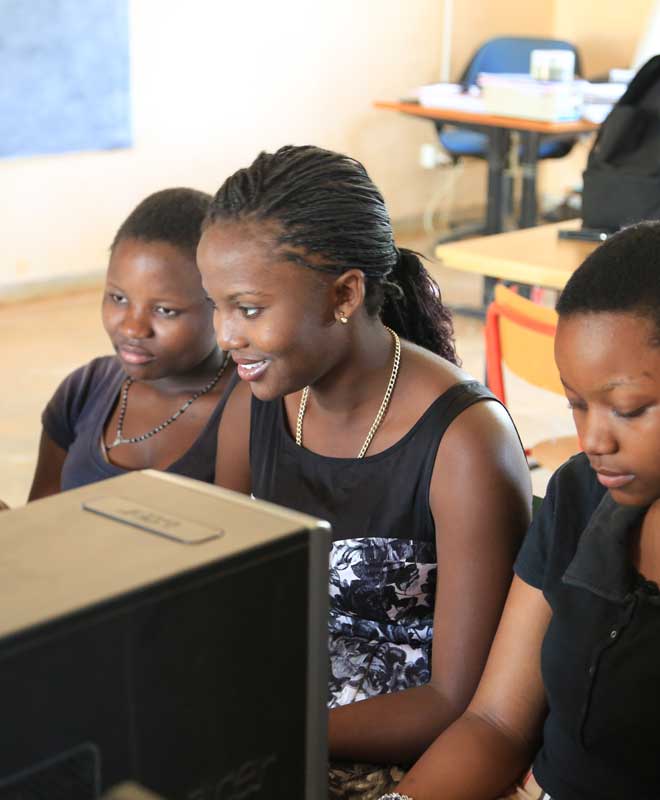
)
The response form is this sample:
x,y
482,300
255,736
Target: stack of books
x,y
520,95
514,95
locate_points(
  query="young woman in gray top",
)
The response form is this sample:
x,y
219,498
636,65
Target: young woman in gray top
x,y
158,401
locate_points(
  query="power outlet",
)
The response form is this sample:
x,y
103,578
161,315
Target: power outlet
x,y
432,156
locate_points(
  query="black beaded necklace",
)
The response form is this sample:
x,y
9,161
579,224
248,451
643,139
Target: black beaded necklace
x,y
119,437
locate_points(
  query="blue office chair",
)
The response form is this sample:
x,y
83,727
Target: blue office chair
x,y
503,54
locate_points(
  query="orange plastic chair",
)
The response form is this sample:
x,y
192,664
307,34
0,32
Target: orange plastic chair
x,y
520,334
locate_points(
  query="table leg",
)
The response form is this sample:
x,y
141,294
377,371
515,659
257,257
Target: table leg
x,y
498,148
498,153
528,162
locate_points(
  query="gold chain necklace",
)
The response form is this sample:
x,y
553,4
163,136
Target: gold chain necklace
x,y
381,410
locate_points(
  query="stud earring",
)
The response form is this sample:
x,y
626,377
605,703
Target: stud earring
x,y
343,318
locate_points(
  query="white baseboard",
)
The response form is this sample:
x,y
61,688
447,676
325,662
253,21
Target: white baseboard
x,y
49,287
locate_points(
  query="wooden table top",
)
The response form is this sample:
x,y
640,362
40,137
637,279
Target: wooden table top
x,y
535,256
489,120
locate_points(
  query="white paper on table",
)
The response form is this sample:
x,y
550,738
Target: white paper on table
x,y
451,96
596,112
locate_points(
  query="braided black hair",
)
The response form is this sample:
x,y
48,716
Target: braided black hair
x,y
622,274
331,217
171,215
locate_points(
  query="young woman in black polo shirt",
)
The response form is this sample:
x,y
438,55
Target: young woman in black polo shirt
x,y
572,681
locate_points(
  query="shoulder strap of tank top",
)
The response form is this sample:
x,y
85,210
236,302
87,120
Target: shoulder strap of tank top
x,y
456,399
461,396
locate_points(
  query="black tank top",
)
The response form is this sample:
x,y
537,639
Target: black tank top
x,y
384,495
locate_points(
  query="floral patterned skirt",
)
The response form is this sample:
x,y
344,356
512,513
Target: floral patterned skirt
x,y
363,781
382,593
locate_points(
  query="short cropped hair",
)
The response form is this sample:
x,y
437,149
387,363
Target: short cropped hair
x,y
622,274
171,215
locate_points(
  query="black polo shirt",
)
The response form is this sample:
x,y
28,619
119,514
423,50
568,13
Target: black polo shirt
x,y
601,654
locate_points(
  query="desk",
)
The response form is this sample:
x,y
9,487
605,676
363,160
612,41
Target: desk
x,y
498,130
533,256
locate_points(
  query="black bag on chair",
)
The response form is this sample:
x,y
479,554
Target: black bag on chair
x,y
622,179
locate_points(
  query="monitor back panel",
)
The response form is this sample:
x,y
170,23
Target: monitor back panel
x,y
195,685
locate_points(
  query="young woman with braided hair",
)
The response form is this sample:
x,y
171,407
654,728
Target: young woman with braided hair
x,y
360,415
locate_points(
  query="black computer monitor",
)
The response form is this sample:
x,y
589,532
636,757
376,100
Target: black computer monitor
x,y
163,632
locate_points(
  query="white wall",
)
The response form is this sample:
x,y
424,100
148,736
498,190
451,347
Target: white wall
x,y
216,81
606,31
213,83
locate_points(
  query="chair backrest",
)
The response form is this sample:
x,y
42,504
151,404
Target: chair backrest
x,y
511,54
520,334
